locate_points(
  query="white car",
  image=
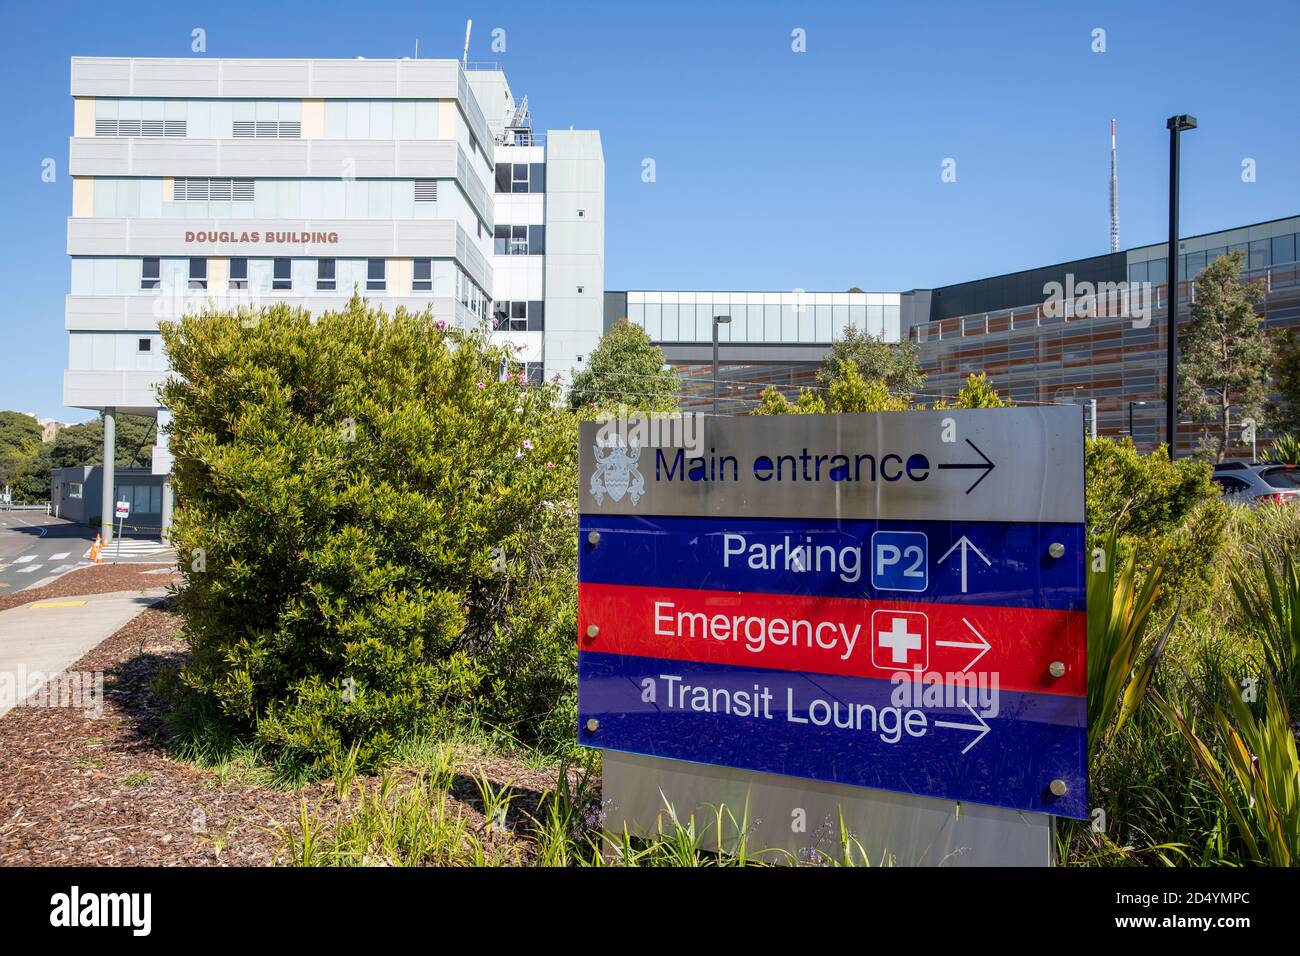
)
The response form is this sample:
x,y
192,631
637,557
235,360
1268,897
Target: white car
x,y
1258,484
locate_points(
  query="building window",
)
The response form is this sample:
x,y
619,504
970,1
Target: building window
x,y
144,499
376,276
74,489
519,240
282,275
520,177
239,273
210,189
325,275
422,278
516,316
198,273
144,345
150,273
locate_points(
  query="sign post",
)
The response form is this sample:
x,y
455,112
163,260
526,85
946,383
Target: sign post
x,y
122,511
880,616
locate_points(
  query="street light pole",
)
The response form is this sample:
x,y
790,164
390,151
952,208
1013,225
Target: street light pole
x,y
717,320
1175,125
1130,419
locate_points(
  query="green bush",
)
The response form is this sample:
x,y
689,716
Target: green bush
x,y
374,528
1169,513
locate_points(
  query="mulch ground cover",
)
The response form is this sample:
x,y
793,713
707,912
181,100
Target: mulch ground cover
x,y
97,579
105,791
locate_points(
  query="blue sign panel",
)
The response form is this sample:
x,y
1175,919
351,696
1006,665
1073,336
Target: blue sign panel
x,y
899,561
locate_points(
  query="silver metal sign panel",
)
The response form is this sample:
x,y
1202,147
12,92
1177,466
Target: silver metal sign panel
x,y
1007,464
798,821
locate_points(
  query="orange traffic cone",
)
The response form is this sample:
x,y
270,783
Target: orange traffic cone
x,y
95,550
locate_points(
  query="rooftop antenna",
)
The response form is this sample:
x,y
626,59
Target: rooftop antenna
x,y
417,48
464,60
1114,193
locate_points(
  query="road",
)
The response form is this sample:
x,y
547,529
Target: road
x,y
34,547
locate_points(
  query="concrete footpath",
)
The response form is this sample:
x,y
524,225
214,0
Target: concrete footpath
x,y
49,635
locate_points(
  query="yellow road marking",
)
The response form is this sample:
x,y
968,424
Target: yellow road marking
x,y
58,604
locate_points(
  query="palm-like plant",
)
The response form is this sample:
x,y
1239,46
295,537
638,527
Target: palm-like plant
x,y
1284,450
1261,787
1274,609
1118,609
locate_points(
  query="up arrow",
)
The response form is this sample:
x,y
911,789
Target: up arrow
x,y
985,466
964,542
982,727
982,644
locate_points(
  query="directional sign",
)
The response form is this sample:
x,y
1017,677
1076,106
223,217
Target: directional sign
x,y
894,600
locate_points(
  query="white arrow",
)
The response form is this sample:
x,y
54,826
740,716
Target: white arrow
x,y
982,727
982,644
964,542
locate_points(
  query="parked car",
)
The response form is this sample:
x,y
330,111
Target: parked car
x,y
1255,484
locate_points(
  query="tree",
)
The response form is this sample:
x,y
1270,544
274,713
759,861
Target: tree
x,y
894,364
83,444
1285,415
626,369
850,392
976,393
1225,353
377,532
20,440
772,402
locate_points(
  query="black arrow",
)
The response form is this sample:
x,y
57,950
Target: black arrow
x,y
987,466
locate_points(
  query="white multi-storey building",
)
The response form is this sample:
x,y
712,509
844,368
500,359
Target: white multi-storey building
x,y
203,182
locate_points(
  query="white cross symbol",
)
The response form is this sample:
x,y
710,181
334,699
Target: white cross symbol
x,y
899,640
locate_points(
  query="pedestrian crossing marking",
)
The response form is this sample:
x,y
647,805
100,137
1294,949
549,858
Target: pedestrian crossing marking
x,y
25,558
60,556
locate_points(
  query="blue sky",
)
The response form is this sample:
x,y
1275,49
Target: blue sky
x,y
775,169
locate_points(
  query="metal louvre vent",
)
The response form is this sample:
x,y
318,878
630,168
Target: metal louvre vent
x,y
426,190
112,127
204,189
267,129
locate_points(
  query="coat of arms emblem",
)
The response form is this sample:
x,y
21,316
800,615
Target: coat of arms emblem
x,y
617,473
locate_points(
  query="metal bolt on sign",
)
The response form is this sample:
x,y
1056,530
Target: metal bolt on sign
x,y
1056,549
593,725
592,630
593,538
1058,788
1057,669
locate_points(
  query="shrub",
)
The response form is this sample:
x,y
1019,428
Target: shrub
x,y
977,392
374,522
